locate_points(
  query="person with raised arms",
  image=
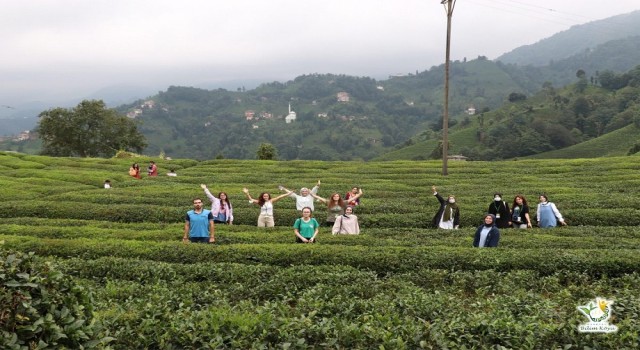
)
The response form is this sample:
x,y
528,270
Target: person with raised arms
x,y
335,205
265,219
304,199
221,207
448,216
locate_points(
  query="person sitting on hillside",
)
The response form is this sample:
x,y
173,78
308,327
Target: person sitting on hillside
x,y
448,216
107,183
303,199
500,209
346,224
548,215
135,171
172,172
152,170
487,234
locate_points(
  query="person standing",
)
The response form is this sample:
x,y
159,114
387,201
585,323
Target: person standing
x,y
548,215
198,225
500,209
487,234
346,224
152,170
520,212
304,199
265,219
335,206
306,227
353,197
448,215
107,183
221,208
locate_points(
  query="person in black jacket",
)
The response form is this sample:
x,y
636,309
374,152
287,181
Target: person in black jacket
x,y
448,216
500,209
487,234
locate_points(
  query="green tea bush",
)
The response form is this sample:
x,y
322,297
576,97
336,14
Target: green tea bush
x,y
43,308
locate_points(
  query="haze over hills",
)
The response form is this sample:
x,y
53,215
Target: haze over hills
x,y
575,40
380,115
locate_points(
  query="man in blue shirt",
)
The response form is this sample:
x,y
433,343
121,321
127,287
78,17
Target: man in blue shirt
x,y
198,224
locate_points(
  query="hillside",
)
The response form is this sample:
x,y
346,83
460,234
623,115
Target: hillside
x,y
603,116
613,144
575,40
397,285
371,118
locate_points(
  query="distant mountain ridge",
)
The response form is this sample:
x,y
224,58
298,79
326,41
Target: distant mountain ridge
x,y
575,40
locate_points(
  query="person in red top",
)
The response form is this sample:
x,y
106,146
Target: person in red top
x,y
152,170
355,192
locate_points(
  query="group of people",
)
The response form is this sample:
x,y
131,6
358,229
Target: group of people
x,y
498,216
152,170
340,215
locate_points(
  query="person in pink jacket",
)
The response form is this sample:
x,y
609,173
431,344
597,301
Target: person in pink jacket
x,y
221,207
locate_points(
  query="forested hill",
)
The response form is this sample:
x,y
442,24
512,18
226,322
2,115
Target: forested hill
x,y
554,119
575,40
338,117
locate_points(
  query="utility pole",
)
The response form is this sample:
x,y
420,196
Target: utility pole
x,y
448,7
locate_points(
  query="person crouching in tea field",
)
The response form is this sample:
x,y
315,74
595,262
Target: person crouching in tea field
x,y
487,234
265,202
520,212
198,225
548,215
500,209
306,227
448,216
346,224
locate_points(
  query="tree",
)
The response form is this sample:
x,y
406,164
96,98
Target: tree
x,y
516,96
87,130
266,151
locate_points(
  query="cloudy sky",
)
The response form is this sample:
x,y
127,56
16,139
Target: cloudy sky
x,y
68,49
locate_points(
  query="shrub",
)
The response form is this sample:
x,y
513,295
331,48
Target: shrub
x,y
41,307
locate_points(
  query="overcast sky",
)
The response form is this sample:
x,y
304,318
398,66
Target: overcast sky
x,y
66,49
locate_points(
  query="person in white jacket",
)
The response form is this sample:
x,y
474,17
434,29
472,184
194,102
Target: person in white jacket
x,y
221,207
304,199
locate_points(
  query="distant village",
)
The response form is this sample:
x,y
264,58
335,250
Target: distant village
x,y
253,116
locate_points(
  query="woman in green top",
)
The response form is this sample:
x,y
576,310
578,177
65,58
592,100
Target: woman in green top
x,y
335,205
306,227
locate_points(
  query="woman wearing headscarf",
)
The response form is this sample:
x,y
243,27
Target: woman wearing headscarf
x,y
487,234
448,216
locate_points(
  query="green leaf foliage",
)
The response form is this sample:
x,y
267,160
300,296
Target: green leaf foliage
x,y
398,285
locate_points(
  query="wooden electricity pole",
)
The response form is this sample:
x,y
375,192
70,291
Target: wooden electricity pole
x,y
448,7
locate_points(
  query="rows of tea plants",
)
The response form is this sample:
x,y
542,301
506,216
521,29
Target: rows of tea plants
x,y
398,285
